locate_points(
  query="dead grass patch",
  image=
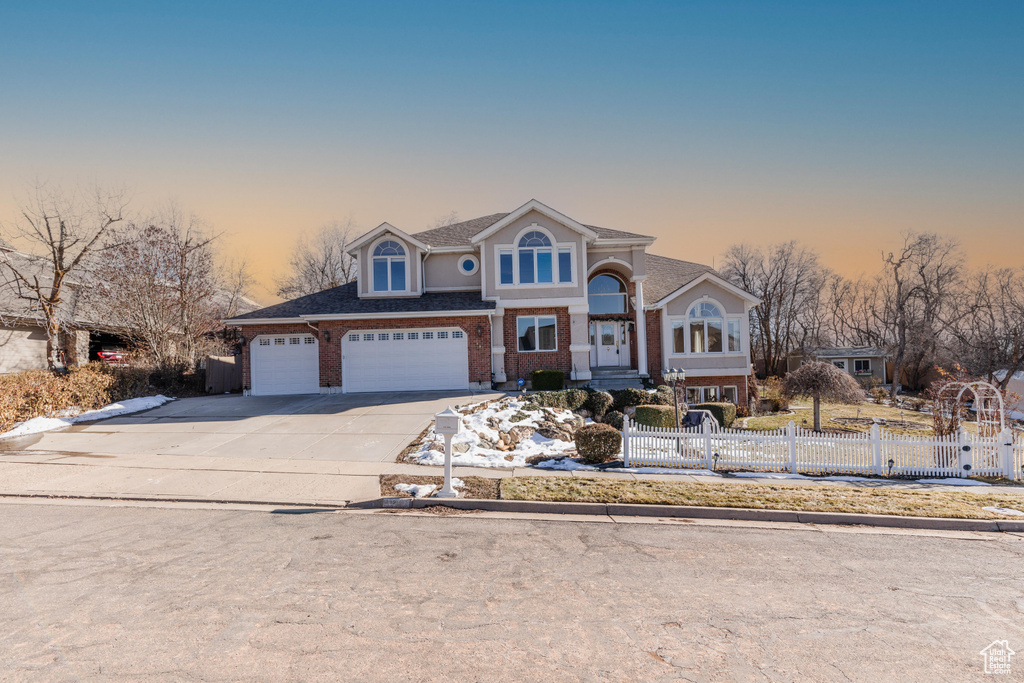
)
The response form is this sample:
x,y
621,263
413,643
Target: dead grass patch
x,y
801,498
476,487
414,446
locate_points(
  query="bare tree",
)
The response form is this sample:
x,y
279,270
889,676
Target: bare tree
x,y
788,279
164,288
450,218
915,287
822,382
320,262
58,231
987,324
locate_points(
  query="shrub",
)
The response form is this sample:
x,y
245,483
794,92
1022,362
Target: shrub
x,y
656,416
742,411
663,396
575,398
880,395
614,419
597,443
547,380
628,398
599,403
916,404
549,399
725,413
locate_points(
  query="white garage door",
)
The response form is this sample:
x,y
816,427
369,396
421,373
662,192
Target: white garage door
x,y
285,364
405,360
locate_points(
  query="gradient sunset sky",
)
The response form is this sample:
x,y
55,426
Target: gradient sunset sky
x,y
702,123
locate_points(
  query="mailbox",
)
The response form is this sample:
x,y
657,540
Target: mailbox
x,y
448,422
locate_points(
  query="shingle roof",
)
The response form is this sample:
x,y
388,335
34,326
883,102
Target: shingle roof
x,y
345,299
460,234
847,351
666,275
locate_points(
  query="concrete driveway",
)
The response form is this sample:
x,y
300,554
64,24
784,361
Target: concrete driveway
x,y
343,427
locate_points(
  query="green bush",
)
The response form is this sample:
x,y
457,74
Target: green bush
x,y
629,398
725,413
547,380
656,416
575,398
662,396
549,399
599,403
597,443
614,419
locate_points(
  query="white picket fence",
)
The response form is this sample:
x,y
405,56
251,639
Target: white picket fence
x,y
797,450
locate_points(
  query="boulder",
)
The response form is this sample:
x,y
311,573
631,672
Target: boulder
x,y
554,433
460,447
519,433
584,413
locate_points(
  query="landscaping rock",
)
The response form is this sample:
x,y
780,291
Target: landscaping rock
x,y
584,413
519,433
553,433
494,422
460,447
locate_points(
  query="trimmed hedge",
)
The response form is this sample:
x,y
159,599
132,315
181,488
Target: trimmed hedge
x,y
571,399
725,413
614,419
663,396
547,380
628,398
656,416
599,403
597,443
575,398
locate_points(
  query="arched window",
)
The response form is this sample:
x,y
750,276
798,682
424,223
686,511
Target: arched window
x,y
389,267
535,260
706,330
607,294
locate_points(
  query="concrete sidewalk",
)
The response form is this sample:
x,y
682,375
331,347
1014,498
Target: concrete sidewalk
x,y
293,481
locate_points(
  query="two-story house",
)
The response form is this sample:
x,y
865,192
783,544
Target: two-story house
x,y
484,302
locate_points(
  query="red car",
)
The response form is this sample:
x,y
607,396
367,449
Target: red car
x,y
113,356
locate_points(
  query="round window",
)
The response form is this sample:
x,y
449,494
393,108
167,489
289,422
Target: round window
x,y
468,265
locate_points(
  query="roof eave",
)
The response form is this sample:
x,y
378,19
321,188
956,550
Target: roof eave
x,y
540,207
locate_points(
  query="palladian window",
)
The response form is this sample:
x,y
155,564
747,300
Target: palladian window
x,y
534,260
706,331
389,267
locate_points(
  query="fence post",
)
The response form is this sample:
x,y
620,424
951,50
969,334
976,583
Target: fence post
x,y
966,452
708,462
791,434
1005,441
625,441
876,448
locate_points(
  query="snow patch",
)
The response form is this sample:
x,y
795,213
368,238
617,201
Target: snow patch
x,y
954,481
1004,511
416,490
565,464
662,470
70,416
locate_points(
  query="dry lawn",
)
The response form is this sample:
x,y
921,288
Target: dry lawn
x,y
804,417
801,498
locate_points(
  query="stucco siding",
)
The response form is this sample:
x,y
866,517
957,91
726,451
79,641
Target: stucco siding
x,y
365,258
22,348
681,305
442,271
507,237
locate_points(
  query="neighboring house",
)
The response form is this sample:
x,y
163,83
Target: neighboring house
x,y
1015,393
863,362
486,301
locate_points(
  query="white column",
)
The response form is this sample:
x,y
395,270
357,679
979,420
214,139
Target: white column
x,y
497,323
641,330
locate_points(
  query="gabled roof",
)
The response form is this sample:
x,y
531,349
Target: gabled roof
x,y
541,208
462,234
344,300
381,229
666,275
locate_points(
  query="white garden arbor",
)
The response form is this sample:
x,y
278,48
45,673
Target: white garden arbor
x,y
987,403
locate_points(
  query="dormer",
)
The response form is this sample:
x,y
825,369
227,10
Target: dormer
x,y
390,263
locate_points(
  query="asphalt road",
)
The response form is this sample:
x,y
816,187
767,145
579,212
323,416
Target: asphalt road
x,y
126,594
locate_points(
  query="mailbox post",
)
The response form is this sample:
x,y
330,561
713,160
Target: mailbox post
x,y
448,424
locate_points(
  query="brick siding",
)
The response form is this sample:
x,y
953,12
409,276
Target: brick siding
x,y
477,329
522,364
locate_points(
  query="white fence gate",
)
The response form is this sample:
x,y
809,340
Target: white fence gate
x,y
797,450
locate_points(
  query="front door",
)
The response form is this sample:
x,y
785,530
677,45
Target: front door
x,y
608,344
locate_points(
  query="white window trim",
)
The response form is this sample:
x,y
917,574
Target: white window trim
x,y
685,321
624,294
555,274
408,268
735,389
869,371
536,325
476,265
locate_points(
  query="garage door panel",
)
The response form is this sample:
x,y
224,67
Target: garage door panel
x,y
405,360
285,364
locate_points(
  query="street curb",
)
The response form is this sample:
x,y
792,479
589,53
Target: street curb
x,y
680,511
156,499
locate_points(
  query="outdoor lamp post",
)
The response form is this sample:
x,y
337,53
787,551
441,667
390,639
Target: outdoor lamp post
x,y
447,423
674,376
